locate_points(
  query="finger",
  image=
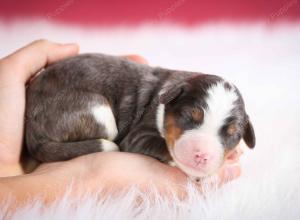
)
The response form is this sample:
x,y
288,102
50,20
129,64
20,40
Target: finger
x,y
136,58
28,60
229,172
234,155
239,150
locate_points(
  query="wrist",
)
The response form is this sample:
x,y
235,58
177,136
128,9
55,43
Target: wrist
x,y
22,190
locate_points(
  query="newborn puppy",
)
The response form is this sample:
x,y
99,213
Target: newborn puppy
x,y
95,102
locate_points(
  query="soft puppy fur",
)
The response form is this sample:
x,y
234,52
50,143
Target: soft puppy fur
x,y
96,102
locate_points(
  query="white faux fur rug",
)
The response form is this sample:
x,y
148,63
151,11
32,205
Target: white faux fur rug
x,y
264,62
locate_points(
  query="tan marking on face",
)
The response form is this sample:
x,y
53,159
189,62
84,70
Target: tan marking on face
x,y
232,129
197,114
173,132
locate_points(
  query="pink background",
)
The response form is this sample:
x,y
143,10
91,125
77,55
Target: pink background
x,y
187,12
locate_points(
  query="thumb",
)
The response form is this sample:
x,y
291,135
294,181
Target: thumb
x,y
229,172
28,60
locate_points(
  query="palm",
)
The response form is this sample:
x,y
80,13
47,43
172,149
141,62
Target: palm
x,y
15,71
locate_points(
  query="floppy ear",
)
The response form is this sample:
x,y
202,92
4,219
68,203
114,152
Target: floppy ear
x,y
171,92
249,136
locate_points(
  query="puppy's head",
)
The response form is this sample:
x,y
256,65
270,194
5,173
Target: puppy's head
x,y
204,120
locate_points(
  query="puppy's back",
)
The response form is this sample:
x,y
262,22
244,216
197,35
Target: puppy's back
x,y
60,99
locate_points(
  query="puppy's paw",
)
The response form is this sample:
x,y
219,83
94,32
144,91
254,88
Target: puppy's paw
x,y
107,145
171,163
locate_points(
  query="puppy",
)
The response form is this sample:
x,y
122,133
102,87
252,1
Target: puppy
x,y
95,102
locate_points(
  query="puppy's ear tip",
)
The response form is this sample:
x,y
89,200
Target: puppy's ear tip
x,y
249,135
251,145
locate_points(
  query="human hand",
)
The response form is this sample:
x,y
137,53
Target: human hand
x,y
231,168
116,168
15,70
114,172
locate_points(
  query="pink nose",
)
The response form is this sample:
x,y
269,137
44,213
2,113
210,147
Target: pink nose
x,y
201,158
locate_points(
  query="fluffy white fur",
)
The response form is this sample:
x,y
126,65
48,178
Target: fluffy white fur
x,y
262,61
220,102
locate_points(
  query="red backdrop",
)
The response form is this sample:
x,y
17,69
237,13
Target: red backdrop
x,y
137,11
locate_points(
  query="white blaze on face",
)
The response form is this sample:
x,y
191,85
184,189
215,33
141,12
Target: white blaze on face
x,y
220,102
160,119
203,143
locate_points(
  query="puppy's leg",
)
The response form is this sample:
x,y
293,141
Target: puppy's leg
x,y
55,151
147,141
74,124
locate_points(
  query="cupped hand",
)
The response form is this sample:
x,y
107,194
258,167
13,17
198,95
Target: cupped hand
x,y
114,172
114,169
15,70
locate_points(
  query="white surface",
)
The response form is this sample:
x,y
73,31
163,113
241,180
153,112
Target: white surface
x,y
263,62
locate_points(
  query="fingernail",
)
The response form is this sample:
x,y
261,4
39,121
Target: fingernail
x,y
72,46
136,58
232,172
